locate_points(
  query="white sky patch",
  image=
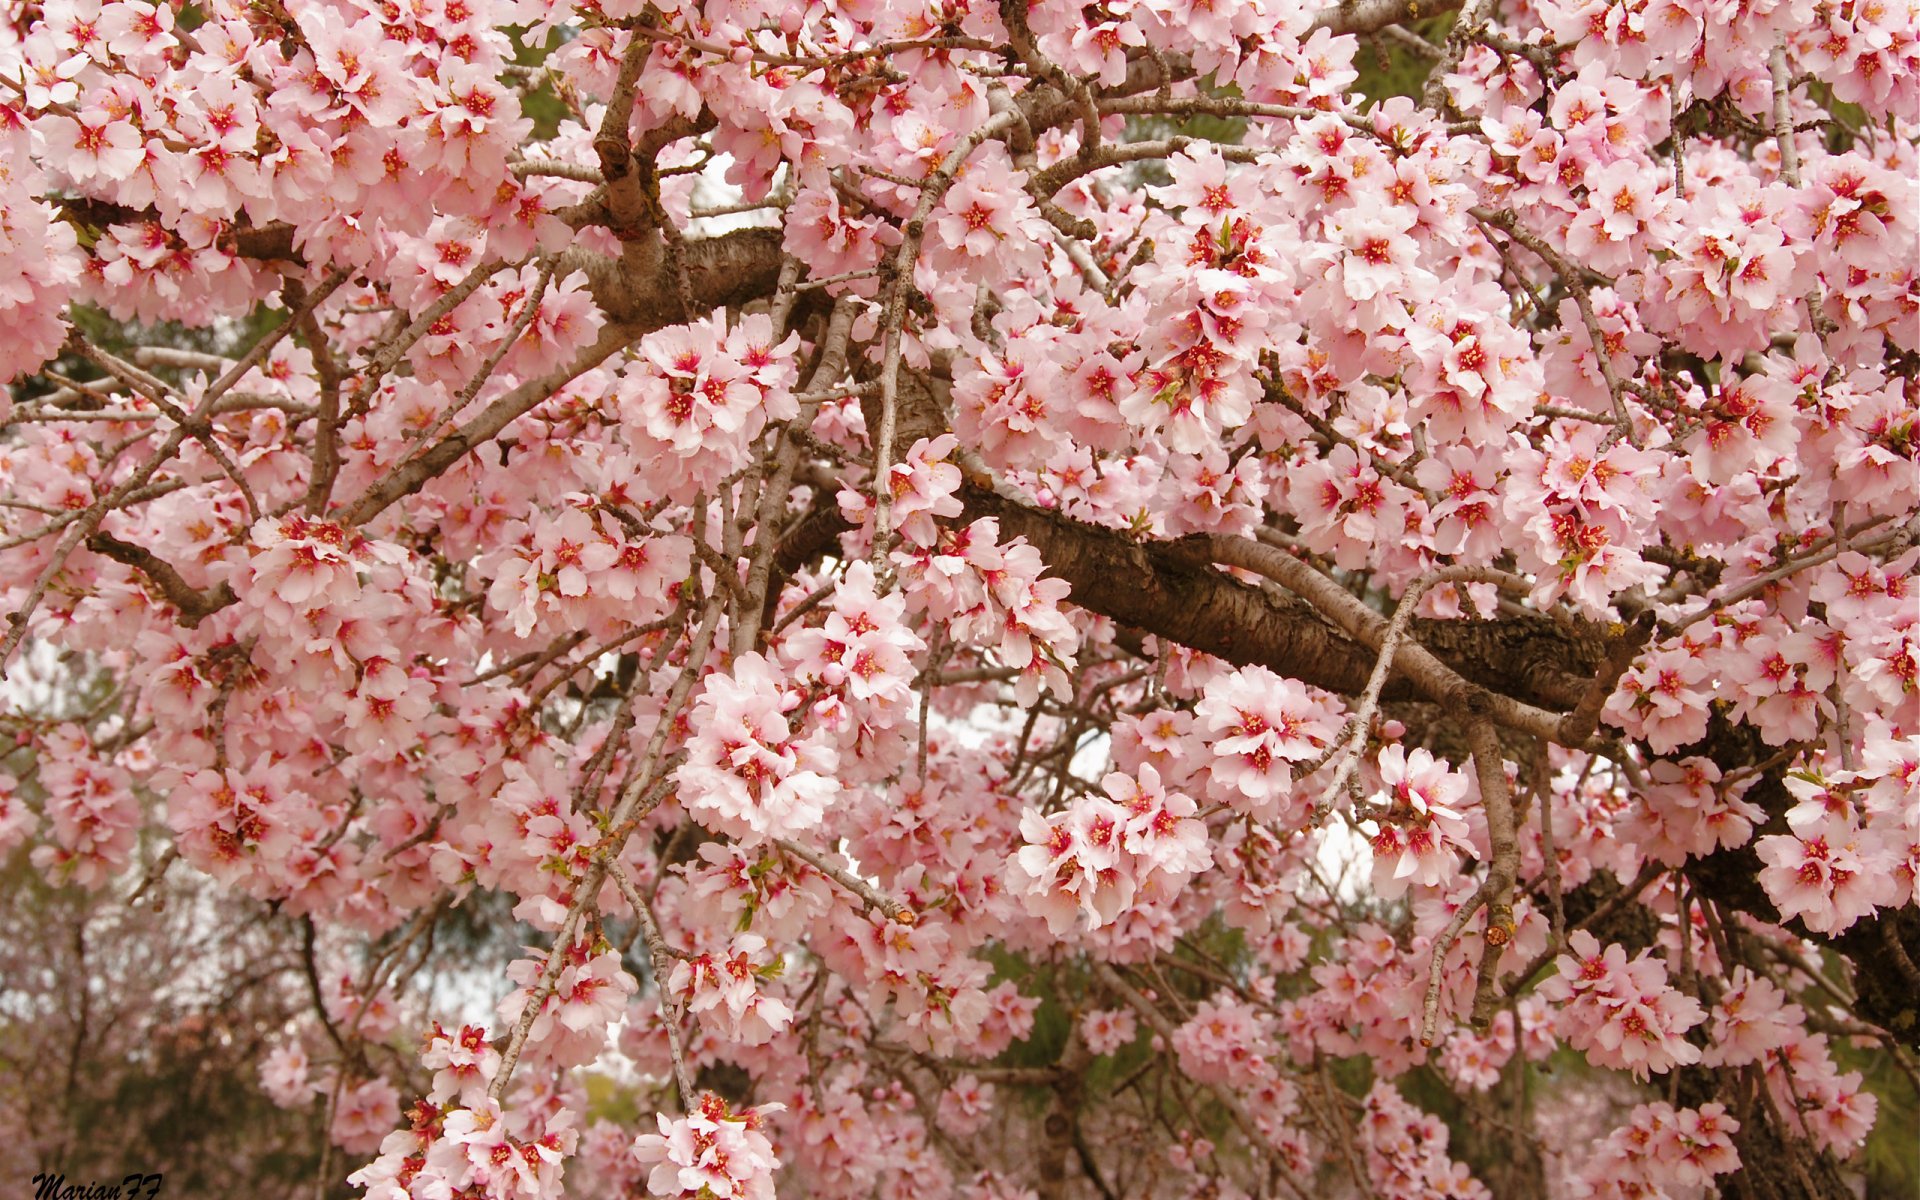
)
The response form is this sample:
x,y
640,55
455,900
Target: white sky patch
x,y
712,191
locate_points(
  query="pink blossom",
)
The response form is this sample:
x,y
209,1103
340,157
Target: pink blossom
x,y
1687,812
1624,1015
1257,724
1423,820
363,1115
711,1151
729,984
284,1076
587,997
746,774
1108,1029
1828,871
1223,1043
966,1105
1676,1153
463,1063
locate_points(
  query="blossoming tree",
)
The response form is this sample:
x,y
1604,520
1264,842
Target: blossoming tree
x,y
914,569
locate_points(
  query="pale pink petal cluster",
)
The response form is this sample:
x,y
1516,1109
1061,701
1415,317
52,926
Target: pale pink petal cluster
x,y
1422,827
994,592
286,1076
1625,1015
576,1016
1686,811
1405,1150
966,1105
1103,854
1226,1041
747,775
1257,725
1661,1151
299,564
1105,1030
463,1064
91,808
1836,865
712,1153
863,649
700,393
728,988
363,1115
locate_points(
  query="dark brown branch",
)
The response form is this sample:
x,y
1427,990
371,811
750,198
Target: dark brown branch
x,y
267,243
1172,590
640,288
194,604
1579,724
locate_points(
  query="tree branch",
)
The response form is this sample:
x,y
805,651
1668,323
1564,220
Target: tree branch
x,y
195,605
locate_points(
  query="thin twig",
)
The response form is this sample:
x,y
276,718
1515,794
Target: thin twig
x,y
1437,967
657,951
871,896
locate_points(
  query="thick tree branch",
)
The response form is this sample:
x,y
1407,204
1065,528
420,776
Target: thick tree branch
x,y
641,289
1173,591
195,605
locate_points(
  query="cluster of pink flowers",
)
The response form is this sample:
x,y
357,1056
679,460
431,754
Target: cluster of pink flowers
x,y
747,775
750,886
984,589
1134,847
922,486
525,838
966,1105
711,1151
1585,508
1423,824
463,1064
1754,1023
237,827
699,395
1476,1060
1257,725
1406,1151
576,1014
91,808
987,215
39,254
727,985
581,572
1686,812
1359,1004
1224,1042
363,1115
1660,1151
1849,851
516,1153
858,661
285,1075
299,565
1624,1015
1108,1029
